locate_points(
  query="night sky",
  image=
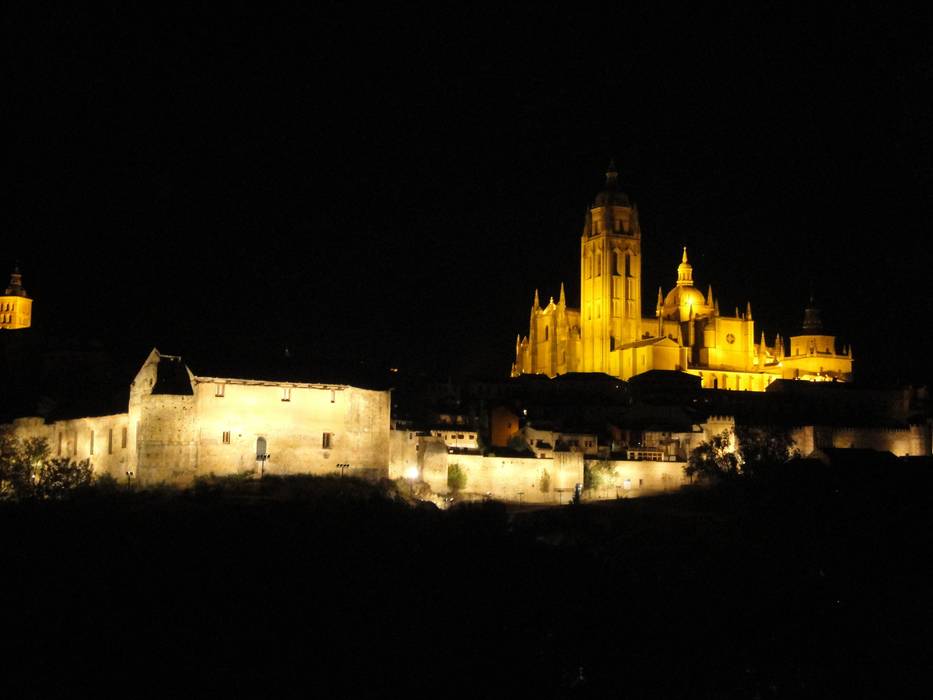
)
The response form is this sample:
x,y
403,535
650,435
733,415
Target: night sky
x,y
392,186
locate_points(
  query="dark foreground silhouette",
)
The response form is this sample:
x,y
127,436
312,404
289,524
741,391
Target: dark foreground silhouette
x,y
812,583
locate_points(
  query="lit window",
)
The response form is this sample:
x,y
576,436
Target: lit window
x,y
226,437
219,390
286,393
327,440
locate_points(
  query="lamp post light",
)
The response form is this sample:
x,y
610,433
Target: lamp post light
x,y
129,476
262,458
411,474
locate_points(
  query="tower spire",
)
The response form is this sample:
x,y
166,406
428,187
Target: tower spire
x,y
537,303
811,316
562,300
709,296
16,283
612,175
684,271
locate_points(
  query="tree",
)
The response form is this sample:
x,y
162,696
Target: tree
x,y
758,452
28,471
763,449
714,459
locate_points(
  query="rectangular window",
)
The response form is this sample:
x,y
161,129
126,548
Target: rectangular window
x,y
327,440
110,441
333,395
219,390
91,449
286,393
226,437
124,438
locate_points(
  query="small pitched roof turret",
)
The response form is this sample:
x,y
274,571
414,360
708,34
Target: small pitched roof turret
x,y
15,289
811,317
610,193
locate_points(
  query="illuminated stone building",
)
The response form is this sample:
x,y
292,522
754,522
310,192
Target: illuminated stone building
x,y
179,425
15,306
609,333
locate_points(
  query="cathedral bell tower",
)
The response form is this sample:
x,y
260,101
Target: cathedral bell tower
x,y
610,280
15,306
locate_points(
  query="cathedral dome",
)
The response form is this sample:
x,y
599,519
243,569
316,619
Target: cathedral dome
x,y
684,299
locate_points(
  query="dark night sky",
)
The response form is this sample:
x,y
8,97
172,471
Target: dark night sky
x,y
394,186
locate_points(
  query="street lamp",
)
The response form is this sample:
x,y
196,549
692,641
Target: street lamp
x,y
411,474
261,458
129,476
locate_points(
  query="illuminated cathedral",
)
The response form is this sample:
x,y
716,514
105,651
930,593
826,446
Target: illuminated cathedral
x,y
609,333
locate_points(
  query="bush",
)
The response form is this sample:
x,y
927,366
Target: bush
x,y
456,478
597,474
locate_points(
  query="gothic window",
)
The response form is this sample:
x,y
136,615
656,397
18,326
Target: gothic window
x,y
327,440
599,264
225,437
219,390
286,393
612,343
628,265
261,448
124,436
545,332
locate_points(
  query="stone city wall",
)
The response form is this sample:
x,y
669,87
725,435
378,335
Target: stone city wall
x,y
104,440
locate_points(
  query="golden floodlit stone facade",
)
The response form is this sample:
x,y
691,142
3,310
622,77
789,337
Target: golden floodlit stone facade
x,y
179,426
608,333
15,306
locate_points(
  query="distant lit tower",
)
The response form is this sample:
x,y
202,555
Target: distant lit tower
x,y
610,280
813,353
15,306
